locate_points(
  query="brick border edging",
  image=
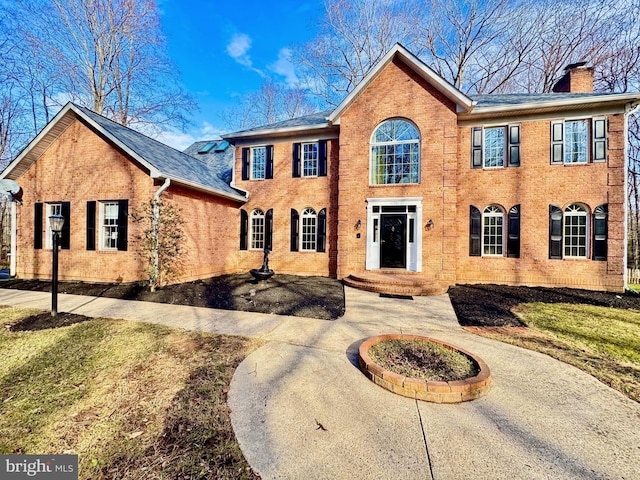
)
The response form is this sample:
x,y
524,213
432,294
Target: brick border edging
x,y
438,392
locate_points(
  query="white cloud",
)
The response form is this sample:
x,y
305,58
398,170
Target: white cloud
x,y
181,140
283,66
238,48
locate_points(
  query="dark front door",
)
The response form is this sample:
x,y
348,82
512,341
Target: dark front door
x,y
393,241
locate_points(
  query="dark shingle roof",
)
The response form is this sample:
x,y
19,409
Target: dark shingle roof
x,y
167,160
515,99
219,162
305,121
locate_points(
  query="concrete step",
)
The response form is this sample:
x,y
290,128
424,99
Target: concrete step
x,y
391,283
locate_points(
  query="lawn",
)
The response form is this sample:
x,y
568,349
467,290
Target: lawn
x,y
133,400
602,341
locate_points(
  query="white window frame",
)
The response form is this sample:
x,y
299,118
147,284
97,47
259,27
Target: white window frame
x,y
393,144
253,163
309,157
575,211
485,147
308,230
585,147
490,213
52,209
257,225
104,228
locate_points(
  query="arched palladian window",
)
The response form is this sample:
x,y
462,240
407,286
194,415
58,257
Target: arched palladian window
x,y
309,229
395,153
257,230
493,230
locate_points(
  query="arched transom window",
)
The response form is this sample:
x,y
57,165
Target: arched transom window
x,y
493,230
575,231
395,153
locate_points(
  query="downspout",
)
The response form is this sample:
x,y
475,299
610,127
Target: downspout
x,y
156,219
630,109
233,182
14,237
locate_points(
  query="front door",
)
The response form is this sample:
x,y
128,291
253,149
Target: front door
x,y
393,241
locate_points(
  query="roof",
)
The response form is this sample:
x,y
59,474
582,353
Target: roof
x,y
306,122
219,158
159,159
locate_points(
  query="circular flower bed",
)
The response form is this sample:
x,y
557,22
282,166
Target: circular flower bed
x,y
424,368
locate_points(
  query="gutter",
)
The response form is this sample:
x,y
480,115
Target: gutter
x,y
629,110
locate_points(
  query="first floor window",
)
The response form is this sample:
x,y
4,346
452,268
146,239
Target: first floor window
x,y
42,224
309,229
52,209
575,231
257,230
494,234
570,229
109,226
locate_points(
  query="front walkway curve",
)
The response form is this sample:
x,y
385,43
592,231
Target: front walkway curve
x,y
301,409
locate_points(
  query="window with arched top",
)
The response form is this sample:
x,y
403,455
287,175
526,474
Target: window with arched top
x,y
575,231
395,153
309,230
257,229
493,230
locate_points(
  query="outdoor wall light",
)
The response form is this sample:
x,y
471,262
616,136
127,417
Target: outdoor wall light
x,y
358,225
429,225
55,222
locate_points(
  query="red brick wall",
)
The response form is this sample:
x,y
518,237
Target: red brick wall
x,y
535,185
282,193
399,92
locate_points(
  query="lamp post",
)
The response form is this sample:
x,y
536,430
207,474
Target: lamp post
x,y
56,222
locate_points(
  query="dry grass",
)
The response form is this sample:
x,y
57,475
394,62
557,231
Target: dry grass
x,y
602,341
133,400
423,360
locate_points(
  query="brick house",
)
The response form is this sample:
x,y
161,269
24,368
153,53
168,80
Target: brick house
x,y
408,185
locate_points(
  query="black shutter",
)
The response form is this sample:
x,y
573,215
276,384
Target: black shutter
x,y
295,220
555,232
599,128
321,241
475,229
514,145
245,164
269,161
322,158
37,225
476,147
513,233
65,234
557,142
600,232
295,161
91,225
244,228
123,224
268,230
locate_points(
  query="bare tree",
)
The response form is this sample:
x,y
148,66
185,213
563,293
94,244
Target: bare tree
x,y
106,55
272,103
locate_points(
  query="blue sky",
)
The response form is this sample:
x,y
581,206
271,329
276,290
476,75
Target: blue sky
x,y
223,50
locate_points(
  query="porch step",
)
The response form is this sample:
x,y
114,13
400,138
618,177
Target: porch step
x,y
393,283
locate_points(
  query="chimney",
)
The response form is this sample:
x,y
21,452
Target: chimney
x,y
578,78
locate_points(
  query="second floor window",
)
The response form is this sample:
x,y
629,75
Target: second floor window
x,y
258,163
395,153
579,141
495,147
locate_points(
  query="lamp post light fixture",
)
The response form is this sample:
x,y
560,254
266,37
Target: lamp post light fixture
x,y
55,222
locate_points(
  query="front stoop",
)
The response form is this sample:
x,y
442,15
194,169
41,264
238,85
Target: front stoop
x,y
394,283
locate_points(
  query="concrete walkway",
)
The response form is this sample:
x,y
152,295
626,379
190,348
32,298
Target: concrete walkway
x,y
301,409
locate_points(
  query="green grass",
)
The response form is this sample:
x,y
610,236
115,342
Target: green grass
x,y
133,400
602,341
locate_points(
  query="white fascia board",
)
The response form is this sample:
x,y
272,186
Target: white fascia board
x,y
203,188
274,131
43,133
460,99
566,102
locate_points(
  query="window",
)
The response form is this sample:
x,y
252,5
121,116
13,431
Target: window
x,y
112,225
313,234
494,147
42,211
490,234
309,230
309,159
395,153
52,209
493,235
569,232
109,226
261,232
257,163
257,230
579,141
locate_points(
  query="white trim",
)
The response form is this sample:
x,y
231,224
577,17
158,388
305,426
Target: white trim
x,y
101,214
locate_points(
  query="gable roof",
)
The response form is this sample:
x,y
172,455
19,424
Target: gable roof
x,y
220,159
463,102
160,160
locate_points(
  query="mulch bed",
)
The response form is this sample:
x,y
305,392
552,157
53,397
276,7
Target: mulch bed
x,y
44,320
315,297
491,305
